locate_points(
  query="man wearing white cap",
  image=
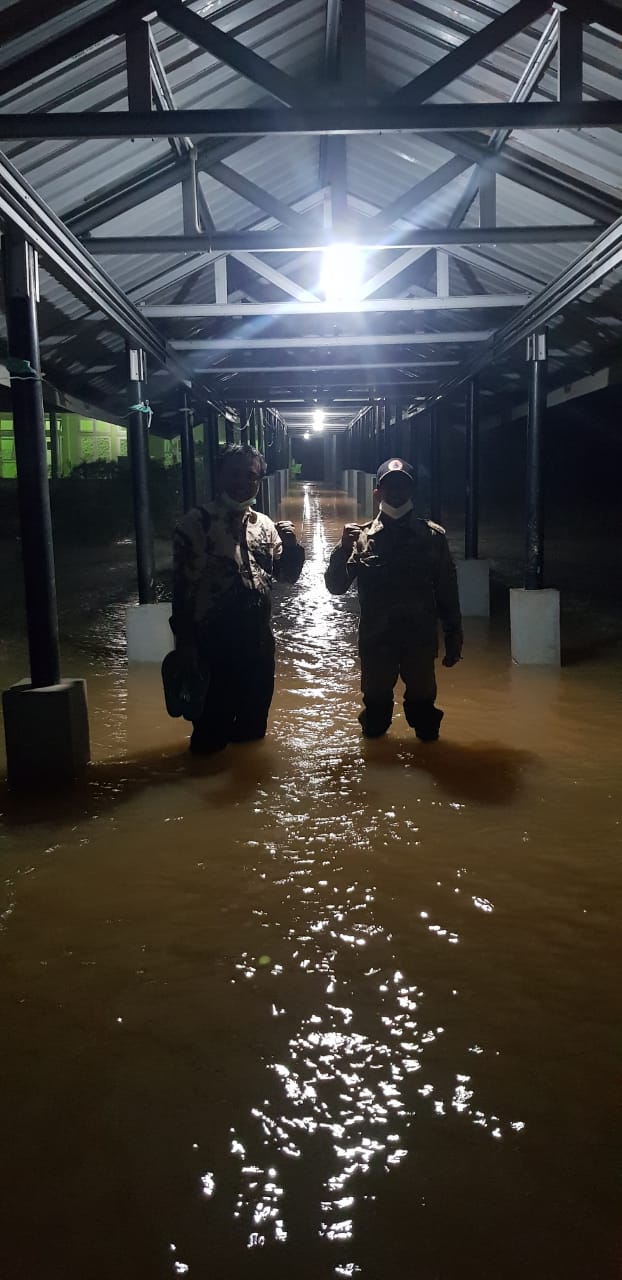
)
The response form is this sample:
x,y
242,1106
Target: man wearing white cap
x,y
407,585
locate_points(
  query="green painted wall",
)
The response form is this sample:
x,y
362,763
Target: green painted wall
x,y
83,440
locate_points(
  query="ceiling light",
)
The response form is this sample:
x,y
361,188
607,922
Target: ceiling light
x,y
318,420
307,435
342,273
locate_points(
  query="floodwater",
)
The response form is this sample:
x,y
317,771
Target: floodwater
x,y
318,1008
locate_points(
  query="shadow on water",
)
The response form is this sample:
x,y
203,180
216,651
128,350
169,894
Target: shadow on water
x,y
233,775
480,772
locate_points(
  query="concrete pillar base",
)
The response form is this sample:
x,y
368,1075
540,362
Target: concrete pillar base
x,y
474,588
149,636
534,627
350,477
46,732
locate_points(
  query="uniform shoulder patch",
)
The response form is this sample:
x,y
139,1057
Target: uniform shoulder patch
x,y
436,528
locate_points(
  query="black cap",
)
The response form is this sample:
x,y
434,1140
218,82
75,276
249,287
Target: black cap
x,y
395,464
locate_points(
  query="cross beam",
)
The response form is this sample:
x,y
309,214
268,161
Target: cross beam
x,y
332,121
591,266
286,343
307,242
208,310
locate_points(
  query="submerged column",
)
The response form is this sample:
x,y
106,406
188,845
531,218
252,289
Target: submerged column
x,y
188,472
534,611
45,719
435,464
148,633
138,450
473,573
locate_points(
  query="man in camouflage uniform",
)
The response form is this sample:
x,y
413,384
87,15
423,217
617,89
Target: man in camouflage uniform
x,y
226,556
406,583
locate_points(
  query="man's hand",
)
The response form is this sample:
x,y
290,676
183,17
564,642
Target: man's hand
x,y
286,531
349,537
453,650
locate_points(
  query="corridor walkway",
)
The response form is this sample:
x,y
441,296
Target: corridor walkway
x,y
318,1008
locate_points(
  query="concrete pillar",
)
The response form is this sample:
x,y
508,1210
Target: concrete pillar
x,y
364,495
534,626
149,636
47,733
45,719
474,588
54,459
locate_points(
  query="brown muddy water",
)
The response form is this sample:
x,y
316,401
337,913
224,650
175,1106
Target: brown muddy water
x,y
318,1008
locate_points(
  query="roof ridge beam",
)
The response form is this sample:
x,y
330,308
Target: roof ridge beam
x,y
255,122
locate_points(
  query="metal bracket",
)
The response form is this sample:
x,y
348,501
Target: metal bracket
x,y
138,365
536,347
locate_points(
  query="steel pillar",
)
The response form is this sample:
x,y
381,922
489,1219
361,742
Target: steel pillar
x,y
188,473
471,516
21,286
138,450
537,366
435,464
54,469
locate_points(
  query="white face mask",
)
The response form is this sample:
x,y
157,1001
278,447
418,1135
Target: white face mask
x,y
236,506
395,513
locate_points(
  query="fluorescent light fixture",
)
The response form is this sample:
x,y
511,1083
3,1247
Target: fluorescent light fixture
x,y
318,419
342,273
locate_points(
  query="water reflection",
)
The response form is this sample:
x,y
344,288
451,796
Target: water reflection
x,y
351,1080
316,1006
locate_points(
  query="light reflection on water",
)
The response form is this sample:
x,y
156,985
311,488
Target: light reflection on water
x,y
318,999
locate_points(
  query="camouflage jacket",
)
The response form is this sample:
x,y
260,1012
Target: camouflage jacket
x,y
406,579
225,562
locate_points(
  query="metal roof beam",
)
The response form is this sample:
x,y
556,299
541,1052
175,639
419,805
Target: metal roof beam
x,y
588,269
226,49
471,51
138,65
286,343
570,57
108,25
606,113
181,147
111,203
442,302
321,369
310,242
597,12
23,208
421,191
534,174
277,278
253,193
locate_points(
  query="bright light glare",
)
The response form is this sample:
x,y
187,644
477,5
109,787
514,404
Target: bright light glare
x,y
342,273
307,435
318,419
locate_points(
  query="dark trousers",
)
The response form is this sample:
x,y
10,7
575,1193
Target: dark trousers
x,y
382,661
240,660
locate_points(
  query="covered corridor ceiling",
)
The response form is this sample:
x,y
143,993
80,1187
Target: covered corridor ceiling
x,y
202,155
